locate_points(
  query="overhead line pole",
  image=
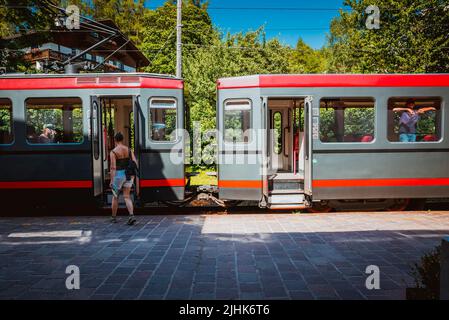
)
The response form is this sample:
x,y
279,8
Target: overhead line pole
x,y
178,39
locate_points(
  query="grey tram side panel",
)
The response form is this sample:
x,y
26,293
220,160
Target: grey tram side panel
x,y
156,159
40,162
387,159
74,161
381,158
241,161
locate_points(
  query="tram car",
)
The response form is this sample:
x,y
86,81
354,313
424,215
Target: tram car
x,y
56,133
324,141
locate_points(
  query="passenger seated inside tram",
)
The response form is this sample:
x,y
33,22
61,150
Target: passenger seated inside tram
x,y
158,133
47,135
409,120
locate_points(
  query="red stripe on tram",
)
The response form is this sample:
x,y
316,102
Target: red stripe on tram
x,y
390,182
73,184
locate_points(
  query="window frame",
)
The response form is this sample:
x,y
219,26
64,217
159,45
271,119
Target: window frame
x,y
150,120
337,143
441,125
250,137
63,143
11,123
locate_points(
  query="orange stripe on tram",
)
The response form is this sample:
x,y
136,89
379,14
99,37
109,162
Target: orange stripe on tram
x,y
240,184
162,183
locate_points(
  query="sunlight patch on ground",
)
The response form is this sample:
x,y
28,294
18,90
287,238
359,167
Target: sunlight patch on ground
x,y
49,237
48,234
330,222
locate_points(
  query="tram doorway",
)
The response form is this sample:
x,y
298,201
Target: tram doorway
x,y
109,115
286,137
285,152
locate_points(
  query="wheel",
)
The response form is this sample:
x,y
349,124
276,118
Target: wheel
x,y
399,205
319,207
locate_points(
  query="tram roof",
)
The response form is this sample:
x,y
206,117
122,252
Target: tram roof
x,y
88,81
334,80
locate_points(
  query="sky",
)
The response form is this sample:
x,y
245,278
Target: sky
x,y
309,19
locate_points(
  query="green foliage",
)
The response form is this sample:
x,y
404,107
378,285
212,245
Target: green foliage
x,y
21,17
304,59
159,36
427,274
5,120
412,38
358,122
128,15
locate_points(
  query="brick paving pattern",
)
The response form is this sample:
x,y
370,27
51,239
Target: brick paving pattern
x,y
259,256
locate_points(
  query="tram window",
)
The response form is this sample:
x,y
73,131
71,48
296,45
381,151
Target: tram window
x,y
54,120
237,121
347,119
6,135
162,119
423,124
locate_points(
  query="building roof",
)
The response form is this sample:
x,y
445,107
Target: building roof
x,y
89,81
80,39
334,80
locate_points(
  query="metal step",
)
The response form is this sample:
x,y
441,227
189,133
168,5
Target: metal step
x,y
287,191
286,198
287,207
286,184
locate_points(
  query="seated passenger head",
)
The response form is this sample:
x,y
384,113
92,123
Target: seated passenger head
x,y
118,138
48,128
411,104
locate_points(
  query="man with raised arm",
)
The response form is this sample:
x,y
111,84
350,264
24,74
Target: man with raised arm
x,y
409,120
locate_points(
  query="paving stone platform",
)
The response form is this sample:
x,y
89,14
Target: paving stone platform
x,y
242,256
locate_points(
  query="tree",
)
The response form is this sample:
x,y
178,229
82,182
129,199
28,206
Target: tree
x,y
159,37
304,59
128,15
20,17
412,38
235,55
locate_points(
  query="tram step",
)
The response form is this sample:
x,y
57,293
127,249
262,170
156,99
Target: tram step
x,y
290,198
298,206
286,185
287,191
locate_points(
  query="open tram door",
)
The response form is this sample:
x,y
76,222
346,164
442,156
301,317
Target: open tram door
x,y
310,133
136,137
109,115
97,145
284,172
